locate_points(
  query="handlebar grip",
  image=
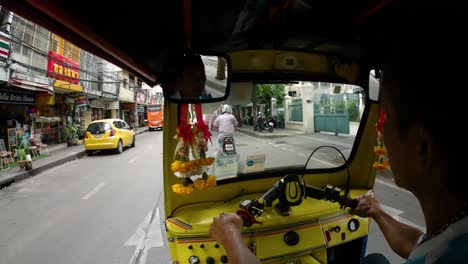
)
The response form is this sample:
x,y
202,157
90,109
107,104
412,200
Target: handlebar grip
x,y
351,203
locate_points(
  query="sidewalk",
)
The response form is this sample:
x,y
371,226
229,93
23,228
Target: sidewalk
x,y
324,137
58,154
277,132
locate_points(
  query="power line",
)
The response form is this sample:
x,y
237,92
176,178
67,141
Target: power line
x,y
50,40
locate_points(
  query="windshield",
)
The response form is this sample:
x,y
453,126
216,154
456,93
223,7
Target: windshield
x,y
282,125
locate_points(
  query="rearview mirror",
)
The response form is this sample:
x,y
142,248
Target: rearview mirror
x,y
202,79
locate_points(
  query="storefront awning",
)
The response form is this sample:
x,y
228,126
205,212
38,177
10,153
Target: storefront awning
x,y
29,85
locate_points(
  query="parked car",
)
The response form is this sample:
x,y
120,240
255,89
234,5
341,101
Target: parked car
x,y
108,134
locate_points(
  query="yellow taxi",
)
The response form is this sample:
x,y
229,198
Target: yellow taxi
x,y
108,134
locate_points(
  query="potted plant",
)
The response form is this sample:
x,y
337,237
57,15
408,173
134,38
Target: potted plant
x,y
71,132
23,152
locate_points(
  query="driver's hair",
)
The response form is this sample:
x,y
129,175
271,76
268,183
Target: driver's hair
x,y
424,74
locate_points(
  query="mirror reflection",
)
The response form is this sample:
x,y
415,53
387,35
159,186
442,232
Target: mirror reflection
x,y
201,77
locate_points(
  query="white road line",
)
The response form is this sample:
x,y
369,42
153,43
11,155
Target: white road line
x,y
391,185
395,213
133,160
324,162
94,191
147,236
301,154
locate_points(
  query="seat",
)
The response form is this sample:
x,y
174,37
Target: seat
x,y
5,156
41,146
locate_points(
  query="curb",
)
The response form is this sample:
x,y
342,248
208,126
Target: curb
x,y
28,174
255,134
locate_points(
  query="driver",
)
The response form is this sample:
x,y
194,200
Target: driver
x,y
421,86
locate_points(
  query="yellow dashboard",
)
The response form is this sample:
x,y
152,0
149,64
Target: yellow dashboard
x,y
302,237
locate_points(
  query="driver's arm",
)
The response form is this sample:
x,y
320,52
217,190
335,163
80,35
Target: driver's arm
x,y
226,229
402,238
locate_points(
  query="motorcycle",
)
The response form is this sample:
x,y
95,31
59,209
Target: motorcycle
x,y
263,124
226,146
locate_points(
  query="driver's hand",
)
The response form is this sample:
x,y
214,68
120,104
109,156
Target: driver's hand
x,y
367,206
226,228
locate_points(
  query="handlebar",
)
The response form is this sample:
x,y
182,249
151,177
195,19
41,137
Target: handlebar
x,y
289,191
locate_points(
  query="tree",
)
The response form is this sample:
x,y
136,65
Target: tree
x,y
221,69
267,91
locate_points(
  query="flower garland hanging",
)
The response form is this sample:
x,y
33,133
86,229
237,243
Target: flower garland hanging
x,y
382,163
192,142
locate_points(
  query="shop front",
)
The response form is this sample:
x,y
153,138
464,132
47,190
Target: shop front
x,y
141,108
102,109
18,112
127,105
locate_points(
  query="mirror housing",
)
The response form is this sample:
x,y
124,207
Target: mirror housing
x,y
201,78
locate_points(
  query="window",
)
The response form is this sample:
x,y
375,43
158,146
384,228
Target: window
x,y
322,116
30,43
118,124
98,128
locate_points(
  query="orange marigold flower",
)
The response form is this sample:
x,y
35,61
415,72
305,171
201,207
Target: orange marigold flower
x,y
211,181
381,166
200,184
380,151
183,190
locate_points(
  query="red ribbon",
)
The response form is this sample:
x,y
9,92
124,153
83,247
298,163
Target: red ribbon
x,y
184,130
201,126
381,121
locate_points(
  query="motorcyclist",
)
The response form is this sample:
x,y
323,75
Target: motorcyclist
x,y
225,123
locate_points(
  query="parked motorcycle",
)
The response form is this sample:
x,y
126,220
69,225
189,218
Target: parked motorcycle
x,y
264,124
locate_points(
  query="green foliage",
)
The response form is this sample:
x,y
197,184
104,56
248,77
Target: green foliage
x,y
353,111
267,91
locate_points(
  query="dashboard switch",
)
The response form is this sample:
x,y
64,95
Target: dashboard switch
x,y
210,260
224,259
194,260
291,238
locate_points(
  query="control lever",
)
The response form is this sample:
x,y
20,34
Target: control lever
x,y
289,191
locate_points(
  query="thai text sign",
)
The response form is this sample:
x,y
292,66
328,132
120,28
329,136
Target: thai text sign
x,y
63,68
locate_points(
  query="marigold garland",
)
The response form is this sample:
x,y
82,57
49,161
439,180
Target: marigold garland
x,y
382,164
192,141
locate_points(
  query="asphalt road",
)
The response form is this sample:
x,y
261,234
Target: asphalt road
x,y
108,208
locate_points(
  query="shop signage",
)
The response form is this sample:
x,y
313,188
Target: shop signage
x,y
141,98
10,97
81,100
128,107
43,99
96,104
63,68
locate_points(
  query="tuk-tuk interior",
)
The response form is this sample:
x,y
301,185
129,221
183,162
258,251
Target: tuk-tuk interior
x,y
335,50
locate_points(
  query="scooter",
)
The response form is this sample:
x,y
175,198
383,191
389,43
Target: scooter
x,y
228,147
264,125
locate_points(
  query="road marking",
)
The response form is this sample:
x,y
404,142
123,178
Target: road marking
x,y
324,162
395,213
391,185
94,191
133,160
147,236
301,154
